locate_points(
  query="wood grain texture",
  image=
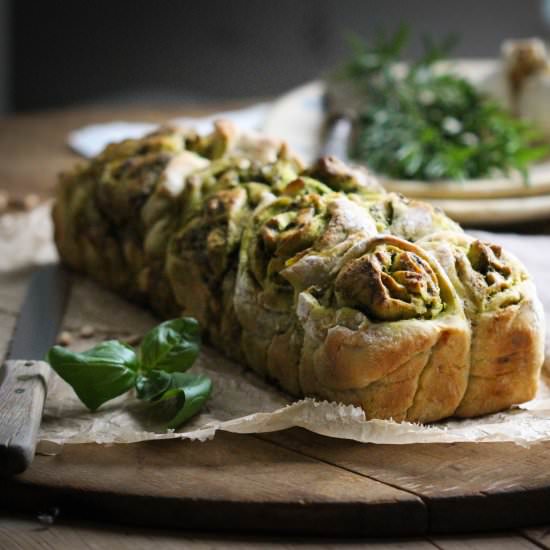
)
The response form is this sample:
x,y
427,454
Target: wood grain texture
x,y
24,533
507,541
465,486
27,534
540,536
23,386
233,482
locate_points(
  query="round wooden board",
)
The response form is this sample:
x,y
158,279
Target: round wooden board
x,y
297,117
292,482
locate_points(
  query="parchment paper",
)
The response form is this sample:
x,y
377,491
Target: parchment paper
x,y
241,401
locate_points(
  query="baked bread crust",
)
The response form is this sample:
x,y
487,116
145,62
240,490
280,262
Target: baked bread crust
x,y
317,279
507,326
408,369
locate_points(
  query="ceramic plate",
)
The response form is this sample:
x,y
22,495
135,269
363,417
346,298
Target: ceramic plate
x,y
297,117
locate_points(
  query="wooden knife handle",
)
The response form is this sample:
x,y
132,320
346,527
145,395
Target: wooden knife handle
x,y
23,386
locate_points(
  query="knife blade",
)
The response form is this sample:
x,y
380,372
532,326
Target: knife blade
x,y
24,375
341,105
336,138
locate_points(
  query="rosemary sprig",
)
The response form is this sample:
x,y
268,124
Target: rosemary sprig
x,y
426,124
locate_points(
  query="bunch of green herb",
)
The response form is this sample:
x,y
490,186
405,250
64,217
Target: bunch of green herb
x,y
156,369
428,124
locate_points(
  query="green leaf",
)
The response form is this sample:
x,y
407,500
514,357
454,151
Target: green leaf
x,y
99,374
425,124
171,346
189,392
152,385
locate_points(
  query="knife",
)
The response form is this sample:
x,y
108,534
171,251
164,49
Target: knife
x,y
24,375
341,104
336,138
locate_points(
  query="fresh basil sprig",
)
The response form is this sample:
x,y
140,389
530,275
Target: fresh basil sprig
x,y
156,369
172,346
189,391
99,374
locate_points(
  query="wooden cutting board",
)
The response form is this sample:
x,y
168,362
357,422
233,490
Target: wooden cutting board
x,y
290,482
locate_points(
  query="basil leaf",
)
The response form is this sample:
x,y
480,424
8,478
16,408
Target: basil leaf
x,y
171,346
99,374
190,391
152,385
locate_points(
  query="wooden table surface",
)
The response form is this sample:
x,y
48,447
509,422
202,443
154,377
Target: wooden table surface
x,y
32,152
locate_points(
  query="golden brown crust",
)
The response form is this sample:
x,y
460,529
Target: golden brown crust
x,y
316,279
506,319
506,356
414,369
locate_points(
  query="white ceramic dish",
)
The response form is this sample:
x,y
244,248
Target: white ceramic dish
x,y
297,117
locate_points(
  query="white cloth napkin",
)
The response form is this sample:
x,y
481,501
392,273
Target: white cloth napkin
x,y
89,141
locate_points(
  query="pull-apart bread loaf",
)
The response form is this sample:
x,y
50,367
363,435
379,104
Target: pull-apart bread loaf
x,y
315,278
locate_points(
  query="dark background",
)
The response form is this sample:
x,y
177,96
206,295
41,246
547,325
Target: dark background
x,y
58,53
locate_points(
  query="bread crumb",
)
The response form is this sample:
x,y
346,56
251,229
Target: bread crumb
x,y
30,201
64,338
87,331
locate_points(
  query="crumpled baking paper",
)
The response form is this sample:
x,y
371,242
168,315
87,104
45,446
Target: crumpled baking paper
x,y
241,402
